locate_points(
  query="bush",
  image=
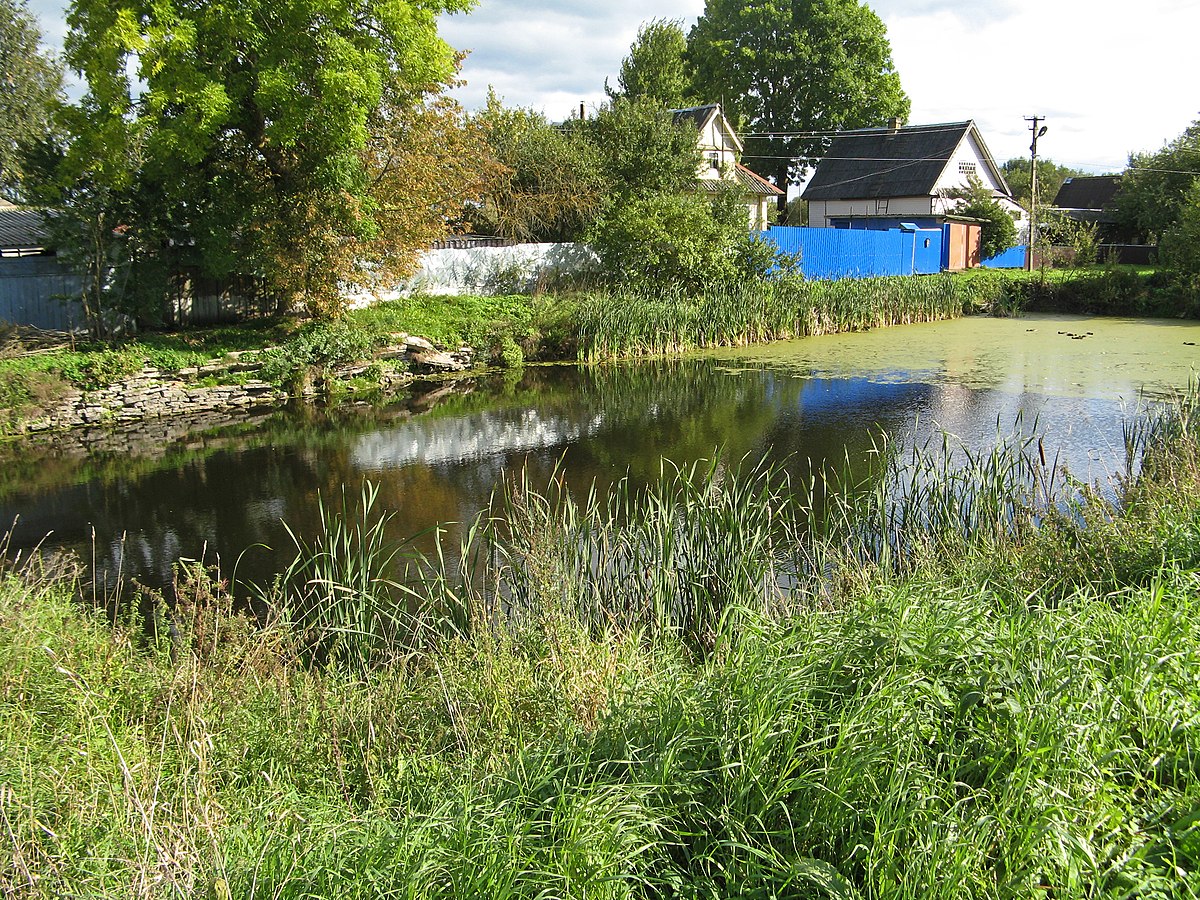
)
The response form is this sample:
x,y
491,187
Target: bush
x,y
689,241
1180,247
317,349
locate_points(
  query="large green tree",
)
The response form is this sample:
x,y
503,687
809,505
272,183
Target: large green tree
x,y
31,81
643,150
241,131
655,66
1154,186
791,74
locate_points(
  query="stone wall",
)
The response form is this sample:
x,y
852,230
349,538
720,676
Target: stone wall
x,y
152,394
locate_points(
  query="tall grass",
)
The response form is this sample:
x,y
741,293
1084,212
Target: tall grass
x,y
978,681
633,324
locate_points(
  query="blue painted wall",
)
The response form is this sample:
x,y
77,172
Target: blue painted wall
x,y
834,253
1012,258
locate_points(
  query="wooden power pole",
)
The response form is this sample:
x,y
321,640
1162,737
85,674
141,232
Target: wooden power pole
x,y
1033,197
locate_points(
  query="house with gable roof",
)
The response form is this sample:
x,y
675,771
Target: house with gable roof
x,y
1093,199
886,178
721,149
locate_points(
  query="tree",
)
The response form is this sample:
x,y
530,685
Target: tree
x,y
1179,249
655,66
691,240
792,73
1050,179
243,134
551,185
1154,186
976,201
30,92
642,148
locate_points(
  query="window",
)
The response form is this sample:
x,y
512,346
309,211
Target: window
x,y
714,159
966,168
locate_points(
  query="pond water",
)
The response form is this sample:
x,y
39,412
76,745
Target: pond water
x,y
224,495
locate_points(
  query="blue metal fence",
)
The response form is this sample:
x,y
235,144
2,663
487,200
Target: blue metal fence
x,y
834,253
35,290
1012,258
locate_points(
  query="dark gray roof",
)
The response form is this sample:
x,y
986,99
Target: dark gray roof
x,y
22,228
1088,192
697,115
882,162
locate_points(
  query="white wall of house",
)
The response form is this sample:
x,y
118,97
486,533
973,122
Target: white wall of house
x,y
821,211
969,159
759,211
719,148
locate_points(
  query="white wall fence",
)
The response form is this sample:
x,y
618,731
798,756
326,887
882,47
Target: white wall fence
x,y
515,269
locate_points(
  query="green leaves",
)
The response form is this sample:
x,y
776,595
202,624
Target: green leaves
x,y
242,131
806,68
32,83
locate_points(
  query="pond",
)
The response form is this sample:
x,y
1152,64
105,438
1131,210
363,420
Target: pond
x,y
225,494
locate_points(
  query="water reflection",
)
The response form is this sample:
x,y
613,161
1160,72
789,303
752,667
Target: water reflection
x,y
226,494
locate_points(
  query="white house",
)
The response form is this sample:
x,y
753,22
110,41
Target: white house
x,y
721,149
877,177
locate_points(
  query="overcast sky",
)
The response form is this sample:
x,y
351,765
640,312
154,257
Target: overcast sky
x,y
1109,77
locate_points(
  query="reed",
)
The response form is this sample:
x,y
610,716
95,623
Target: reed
x,y
341,592
638,324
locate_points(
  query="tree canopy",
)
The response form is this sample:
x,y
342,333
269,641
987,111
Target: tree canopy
x,y
655,67
1154,185
976,202
791,74
558,180
243,131
33,80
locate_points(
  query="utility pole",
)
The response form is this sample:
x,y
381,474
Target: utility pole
x,y
1033,197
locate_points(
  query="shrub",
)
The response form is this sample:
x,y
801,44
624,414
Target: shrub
x,y
316,350
684,240
1180,247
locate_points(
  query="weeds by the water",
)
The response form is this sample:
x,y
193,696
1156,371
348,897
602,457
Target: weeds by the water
x,y
622,324
959,693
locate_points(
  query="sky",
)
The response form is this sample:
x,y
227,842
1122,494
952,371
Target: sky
x,y
1108,77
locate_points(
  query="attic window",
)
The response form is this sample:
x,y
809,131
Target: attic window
x,y
966,168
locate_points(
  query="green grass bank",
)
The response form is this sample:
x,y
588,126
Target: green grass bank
x,y
958,676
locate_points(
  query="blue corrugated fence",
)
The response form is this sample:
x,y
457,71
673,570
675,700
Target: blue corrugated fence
x,y
833,253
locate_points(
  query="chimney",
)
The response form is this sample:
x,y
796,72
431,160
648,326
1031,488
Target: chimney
x,y
580,110
894,123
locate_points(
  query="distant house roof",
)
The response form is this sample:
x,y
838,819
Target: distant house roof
x,y
755,183
700,116
876,163
21,230
749,182
1088,192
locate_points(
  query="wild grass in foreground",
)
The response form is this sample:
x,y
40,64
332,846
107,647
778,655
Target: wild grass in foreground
x,y
645,696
